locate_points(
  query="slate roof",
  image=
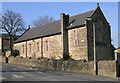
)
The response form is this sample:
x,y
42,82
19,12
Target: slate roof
x,y
53,27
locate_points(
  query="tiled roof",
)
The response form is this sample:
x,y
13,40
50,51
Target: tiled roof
x,y
53,27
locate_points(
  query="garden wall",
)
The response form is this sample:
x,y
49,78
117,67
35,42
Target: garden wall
x,y
105,68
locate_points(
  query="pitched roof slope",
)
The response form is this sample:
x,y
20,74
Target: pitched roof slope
x,y
53,27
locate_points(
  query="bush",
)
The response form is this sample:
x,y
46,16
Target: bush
x,y
16,53
66,56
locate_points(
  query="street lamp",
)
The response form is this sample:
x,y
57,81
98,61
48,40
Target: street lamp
x,y
94,44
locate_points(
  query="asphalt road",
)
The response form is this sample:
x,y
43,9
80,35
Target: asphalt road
x,y
20,73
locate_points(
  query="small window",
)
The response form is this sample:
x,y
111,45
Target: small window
x,y
29,48
23,49
76,42
37,46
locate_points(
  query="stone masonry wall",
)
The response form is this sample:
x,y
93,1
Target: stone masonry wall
x,y
35,51
78,43
105,68
102,39
54,48
19,46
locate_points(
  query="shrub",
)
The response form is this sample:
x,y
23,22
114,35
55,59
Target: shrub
x,y
66,56
15,53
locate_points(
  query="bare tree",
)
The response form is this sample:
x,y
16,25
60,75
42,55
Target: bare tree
x,y
12,24
42,20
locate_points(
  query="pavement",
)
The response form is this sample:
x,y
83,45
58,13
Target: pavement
x,y
23,73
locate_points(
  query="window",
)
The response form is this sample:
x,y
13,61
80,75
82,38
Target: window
x,y
29,48
46,47
75,35
37,46
23,49
76,42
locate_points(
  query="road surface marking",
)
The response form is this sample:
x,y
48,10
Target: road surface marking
x,y
24,72
18,76
14,69
33,68
2,78
39,72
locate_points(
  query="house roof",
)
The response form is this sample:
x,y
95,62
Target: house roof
x,y
53,27
118,48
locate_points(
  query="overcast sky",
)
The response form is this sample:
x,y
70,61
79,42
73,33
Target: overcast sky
x,y
31,10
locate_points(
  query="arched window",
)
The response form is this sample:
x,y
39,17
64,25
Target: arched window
x,y
75,35
46,45
37,46
23,49
76,41
29,48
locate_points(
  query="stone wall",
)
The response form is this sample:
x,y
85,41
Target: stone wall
x,y
103,40
68,65
105,68
78,43
102,37
53,48
35,51
19,46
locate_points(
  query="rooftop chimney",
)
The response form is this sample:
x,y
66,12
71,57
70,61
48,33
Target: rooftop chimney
x,y
64,33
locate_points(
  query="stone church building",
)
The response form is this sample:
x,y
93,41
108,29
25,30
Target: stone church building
x,y
71,35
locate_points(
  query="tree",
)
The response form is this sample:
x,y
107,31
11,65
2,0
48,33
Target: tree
x,y
12,24
42,20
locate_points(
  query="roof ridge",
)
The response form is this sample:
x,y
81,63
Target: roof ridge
x,y
98,7
83,13
45,24
70,17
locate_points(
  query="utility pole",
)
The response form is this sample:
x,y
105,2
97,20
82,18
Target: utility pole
x,y
94,41
94,44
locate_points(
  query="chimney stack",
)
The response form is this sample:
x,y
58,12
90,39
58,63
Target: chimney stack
x,y
64,33
67,20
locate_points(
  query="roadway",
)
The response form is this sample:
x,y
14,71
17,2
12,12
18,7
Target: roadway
x,y
23,73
